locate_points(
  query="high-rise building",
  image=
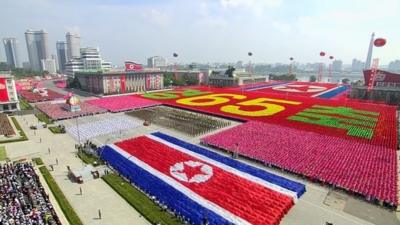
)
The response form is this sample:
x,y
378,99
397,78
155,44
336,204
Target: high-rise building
x,y
156,62
337,65
369,55
49,65
357,65
38,48
394,66
62,56
54,57
26,65
90,60
73,45
12,52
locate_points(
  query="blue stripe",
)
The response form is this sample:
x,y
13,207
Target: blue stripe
x,y
294,186
164,193
333,93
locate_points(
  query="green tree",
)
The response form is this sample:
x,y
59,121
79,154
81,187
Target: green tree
x,y
4,66
313,78
345,81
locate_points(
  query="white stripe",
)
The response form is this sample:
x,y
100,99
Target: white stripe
x,y
321,93
230,169
267,86
181,188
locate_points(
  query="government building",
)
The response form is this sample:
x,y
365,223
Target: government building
x,y
119,82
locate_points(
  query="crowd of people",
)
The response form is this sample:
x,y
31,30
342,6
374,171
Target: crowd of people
x,y
61,110
122,103
357,167
23,200
187,122
32,97
5,126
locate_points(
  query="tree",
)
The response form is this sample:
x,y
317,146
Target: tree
x,y
313,78
285,77
345,81
4,66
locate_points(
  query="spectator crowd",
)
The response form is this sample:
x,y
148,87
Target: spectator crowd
x,y
23,200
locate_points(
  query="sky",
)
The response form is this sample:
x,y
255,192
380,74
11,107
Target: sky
x,y
212,30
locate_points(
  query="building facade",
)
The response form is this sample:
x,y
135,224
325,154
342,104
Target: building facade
x,y
385,87
11,47
394,66
38,48
62,56
73,45
8,94
240,77
49,65
89,60
337,65
156,62
118,82
357,65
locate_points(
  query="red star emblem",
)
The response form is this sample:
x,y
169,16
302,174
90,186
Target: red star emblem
x,y
192,171
302,88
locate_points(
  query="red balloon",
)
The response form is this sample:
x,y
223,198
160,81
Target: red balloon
x,y
330,57
379,42
322,53
291,58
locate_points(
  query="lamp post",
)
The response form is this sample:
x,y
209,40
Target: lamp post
x,y
291,65
330,68
250,69
322,54
175,55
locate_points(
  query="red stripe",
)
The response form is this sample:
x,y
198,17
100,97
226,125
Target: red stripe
x,y
248,200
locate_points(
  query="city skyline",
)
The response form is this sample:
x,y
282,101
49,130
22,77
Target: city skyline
x,y
213,31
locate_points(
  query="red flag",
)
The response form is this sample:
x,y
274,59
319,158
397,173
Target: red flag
x,y
132,66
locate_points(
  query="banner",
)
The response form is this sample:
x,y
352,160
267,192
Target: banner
x,y
132,66
382,78
123,83
3,90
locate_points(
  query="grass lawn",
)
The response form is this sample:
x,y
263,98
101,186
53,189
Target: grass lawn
x,y
20,131
69,212
3,153
38,161
24,104
140,201
55,130
43,118
89,159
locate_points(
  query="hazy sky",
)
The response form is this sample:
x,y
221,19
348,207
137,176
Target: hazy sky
x,y
212,30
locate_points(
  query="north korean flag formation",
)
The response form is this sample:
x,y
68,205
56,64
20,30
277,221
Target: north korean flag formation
x,y
198,184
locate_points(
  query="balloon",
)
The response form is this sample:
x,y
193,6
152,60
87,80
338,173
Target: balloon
x,y
330,57
291,58
250,53
379,42
175,55
322,53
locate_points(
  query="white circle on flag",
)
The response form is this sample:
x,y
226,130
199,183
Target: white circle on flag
x,y
131,66
296,87
179,172
2,86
